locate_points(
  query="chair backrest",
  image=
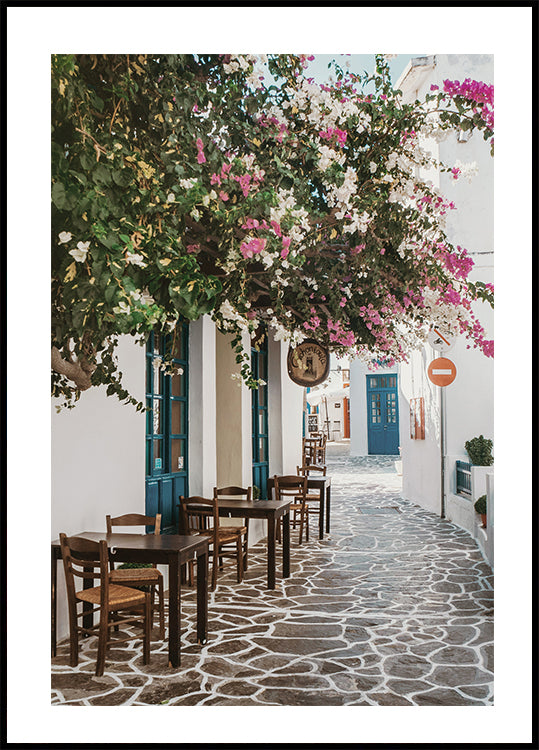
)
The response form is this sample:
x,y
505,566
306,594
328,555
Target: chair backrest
x,y
314,450
290,485
242,492
198,514
84,558
135,519
306,470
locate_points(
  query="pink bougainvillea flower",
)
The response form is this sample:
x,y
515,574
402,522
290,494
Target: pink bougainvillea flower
x,y
223,196
252,247
286,247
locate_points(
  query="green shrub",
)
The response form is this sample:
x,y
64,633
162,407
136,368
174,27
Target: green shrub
x,y
479,450
480,504
256,492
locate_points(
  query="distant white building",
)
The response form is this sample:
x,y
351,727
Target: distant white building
x,y
469,408
328,404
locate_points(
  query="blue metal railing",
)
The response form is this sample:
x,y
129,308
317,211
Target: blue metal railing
x,y
464,478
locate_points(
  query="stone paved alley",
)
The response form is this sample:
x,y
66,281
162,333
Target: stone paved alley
x,y
394,607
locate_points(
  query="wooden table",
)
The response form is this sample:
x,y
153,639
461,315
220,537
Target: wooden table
x,y
165,549
323,485
271,510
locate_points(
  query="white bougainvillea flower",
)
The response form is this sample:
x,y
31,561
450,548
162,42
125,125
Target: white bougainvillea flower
x,y
80,252
122,308
64,237
171,198
135,258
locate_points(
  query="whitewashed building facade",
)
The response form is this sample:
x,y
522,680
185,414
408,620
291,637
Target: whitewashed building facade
x,y
469,400
107,458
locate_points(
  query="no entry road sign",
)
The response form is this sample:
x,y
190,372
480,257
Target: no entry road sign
x,y
442,371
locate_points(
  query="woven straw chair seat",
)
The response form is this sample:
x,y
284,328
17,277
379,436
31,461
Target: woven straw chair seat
x,y
226,534
144,575
118,595
297,506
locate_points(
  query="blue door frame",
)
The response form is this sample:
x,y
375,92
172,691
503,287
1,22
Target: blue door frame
x,y
167,426
383,414
259,409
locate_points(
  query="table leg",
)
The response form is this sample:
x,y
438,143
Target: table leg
x,y
54,582
321,519
328,501
271,551
174,612
286,545
202,596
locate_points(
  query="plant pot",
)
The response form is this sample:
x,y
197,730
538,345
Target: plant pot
x,y
483,520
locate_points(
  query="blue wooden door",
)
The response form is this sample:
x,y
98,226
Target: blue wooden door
x,y
382,415
259,404
166,426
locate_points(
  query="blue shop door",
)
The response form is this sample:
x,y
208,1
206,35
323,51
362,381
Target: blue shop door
x,y
259,406
166,426
383,415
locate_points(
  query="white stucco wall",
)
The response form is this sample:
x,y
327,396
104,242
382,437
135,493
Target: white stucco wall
x,y
97,459
469,399
202,407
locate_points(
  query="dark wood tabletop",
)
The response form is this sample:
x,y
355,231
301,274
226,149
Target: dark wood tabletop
x,y
271,510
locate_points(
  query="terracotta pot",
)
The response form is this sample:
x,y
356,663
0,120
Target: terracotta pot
x,y
484,520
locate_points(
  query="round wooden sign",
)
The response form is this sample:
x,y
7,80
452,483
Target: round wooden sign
x,y
308,363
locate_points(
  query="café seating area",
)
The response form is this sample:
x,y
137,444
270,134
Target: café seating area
x,y
357,608
209,530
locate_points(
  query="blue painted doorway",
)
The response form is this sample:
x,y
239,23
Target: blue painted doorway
x,y
383,415
167,426
259,405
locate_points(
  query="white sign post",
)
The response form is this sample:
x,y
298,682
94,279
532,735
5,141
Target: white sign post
x,y
441,376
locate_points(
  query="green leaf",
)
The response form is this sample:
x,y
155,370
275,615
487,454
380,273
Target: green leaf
x,y
59,195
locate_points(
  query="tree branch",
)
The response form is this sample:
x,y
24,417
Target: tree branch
x,y
79,372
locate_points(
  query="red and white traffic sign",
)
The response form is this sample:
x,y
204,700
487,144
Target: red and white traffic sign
x,y
442,371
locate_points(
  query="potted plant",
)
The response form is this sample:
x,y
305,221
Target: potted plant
x,y
480,507
256,492
479,450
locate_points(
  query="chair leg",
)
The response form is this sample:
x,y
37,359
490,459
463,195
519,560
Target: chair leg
x,y
148,616
161,594
73,642
102,642
239,555
246,543
214,570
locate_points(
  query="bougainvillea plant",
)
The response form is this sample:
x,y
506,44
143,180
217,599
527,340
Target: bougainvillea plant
x,y
235,186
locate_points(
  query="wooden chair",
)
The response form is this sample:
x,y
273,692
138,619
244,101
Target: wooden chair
x,y
304,471
314,450
140,574
295,487
200,515
84,558
244,493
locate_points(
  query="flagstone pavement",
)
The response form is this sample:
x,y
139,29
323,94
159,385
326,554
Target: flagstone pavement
x,y
393,608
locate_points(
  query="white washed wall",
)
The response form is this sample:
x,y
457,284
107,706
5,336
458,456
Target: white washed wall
x,y
469,399
97,459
